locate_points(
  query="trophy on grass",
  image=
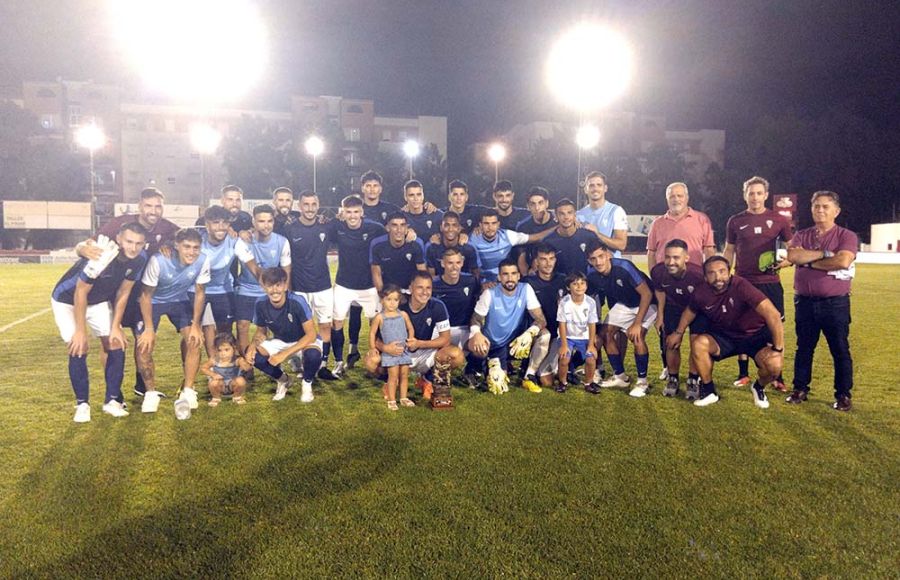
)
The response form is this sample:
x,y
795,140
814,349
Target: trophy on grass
x,y
441,399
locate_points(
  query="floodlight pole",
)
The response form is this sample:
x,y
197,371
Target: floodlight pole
x,y
314,173
410,166
94,217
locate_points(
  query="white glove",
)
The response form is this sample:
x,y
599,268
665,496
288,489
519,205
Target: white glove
x,y
521,346
498,382
94,268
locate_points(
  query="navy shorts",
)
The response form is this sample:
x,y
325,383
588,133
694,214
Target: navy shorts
x,y
775,293
672,317
179,314
222,306
245,307
749,345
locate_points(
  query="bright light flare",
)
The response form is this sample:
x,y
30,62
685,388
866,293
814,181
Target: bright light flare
x,y
589,67
314,146
202,52
587,137
91,137
205,139
411,149
497,152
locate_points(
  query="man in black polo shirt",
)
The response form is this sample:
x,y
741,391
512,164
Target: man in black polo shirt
x,y
503,202
469,214
569,240
283,202
422,222
394,260
540,218
458,291
232,199
549,287
450,231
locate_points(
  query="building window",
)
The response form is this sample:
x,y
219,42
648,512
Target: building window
x,y
46,94
386,135
310,107
351,134
74,116
354,109
171,181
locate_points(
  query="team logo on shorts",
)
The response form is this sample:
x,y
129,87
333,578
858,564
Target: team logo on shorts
x,y
322,236
409,256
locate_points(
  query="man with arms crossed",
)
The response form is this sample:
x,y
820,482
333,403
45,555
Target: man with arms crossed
x,y
603,218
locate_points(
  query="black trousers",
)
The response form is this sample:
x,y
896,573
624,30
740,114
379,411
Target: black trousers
x,y
831,317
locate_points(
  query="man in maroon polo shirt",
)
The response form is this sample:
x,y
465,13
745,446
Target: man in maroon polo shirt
x,y
741,321
752,240
823,256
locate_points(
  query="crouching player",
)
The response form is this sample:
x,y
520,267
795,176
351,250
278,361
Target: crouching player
x,y
290,319
741,321
500,312
81,300
577,317
224,370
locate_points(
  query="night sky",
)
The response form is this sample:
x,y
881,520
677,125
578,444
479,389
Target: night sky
x,y
712,64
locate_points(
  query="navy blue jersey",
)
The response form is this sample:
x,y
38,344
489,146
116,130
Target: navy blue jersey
x,y
425,224
398,265
309,256
618,285
285,323
353,252
529,226
429,322
548,293
105,286
434,253
283,220
379,212
459,298
469,217
511,221
570,256
239,222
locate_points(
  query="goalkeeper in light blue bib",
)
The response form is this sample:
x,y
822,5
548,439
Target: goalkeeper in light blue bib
x,y
499,315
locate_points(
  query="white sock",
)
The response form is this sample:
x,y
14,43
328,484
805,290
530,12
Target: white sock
x,y
538,352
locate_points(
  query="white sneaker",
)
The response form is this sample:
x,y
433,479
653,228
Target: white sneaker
x,y
191,395
759,397
306,392
622,380
115,408
282,386
598,374
151,401
82,413
338,369
707,400
664,375
641,386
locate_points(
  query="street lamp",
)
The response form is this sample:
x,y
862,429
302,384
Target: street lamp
x,y
205,140
411,150
314,146
497,153
587,137
92,138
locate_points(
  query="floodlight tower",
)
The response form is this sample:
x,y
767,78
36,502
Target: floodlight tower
x,y
497,153
587,137
411,150
91,138
314,147
205,140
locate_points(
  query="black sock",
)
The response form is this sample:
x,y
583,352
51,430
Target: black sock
x,y
707,388
326,349
312,358
694,377
673,377
355,323
78,375
114,373
262,363
743,368
337,342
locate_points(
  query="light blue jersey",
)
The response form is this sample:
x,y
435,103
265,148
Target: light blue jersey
x,y
220,259
492,252
504,314
273,252
606,218
172,279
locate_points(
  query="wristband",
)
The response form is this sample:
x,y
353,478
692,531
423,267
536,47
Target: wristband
x,y
474,329
777,349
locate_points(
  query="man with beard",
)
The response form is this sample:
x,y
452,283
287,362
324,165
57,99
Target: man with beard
x,y
605,219
218,247
540,218
503,202
569,241
239,222
494,244
393,259
283,202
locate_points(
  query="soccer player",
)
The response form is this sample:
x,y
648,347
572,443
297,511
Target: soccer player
x,y
683,222
393,259
283,202
293,329
824,256
632,310
422,222
430,346
458,291
374,208
540,218
308,238
752,239
569,241
741,320
549,286
353,285
499,315
85,298
264,249
674,282
469,214
605,219
218,246
494,244
577,318
167,280
450,231
240,222
503,202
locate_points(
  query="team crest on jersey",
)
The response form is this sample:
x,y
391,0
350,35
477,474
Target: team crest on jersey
x,y
428,321
365,237
561,292
128,272
582,246
691,289
619,282
731,302
158,238
466,290
384,215
272,253
428,223
290,317
409,256
322,236
769,223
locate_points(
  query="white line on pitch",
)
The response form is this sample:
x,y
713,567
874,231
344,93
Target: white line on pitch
x,y
26,319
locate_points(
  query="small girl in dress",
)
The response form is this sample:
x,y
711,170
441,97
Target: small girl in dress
x,y
395,327
224,371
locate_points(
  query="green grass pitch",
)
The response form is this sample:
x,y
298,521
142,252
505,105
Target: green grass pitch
x,y
538,485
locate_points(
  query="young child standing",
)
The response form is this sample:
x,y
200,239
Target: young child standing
x,y
224,370
395,327
577,317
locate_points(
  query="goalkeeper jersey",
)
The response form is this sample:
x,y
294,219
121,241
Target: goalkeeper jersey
x,y
504,313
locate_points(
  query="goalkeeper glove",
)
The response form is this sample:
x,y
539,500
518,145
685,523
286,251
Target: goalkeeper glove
x,y
521,346
498,382
94,268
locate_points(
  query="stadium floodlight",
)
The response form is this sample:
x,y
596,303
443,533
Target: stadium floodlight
x,y
497,153
201,52
589,67
92,138
205,139
314,147
411,150
587,137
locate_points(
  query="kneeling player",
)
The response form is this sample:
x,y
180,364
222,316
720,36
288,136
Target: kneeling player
x,y
290,319
741,321
577,317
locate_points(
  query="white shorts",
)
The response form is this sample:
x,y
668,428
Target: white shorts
x,y
459,336
345,297
422,360
321,303
622,316
550,364
274,346
99,319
